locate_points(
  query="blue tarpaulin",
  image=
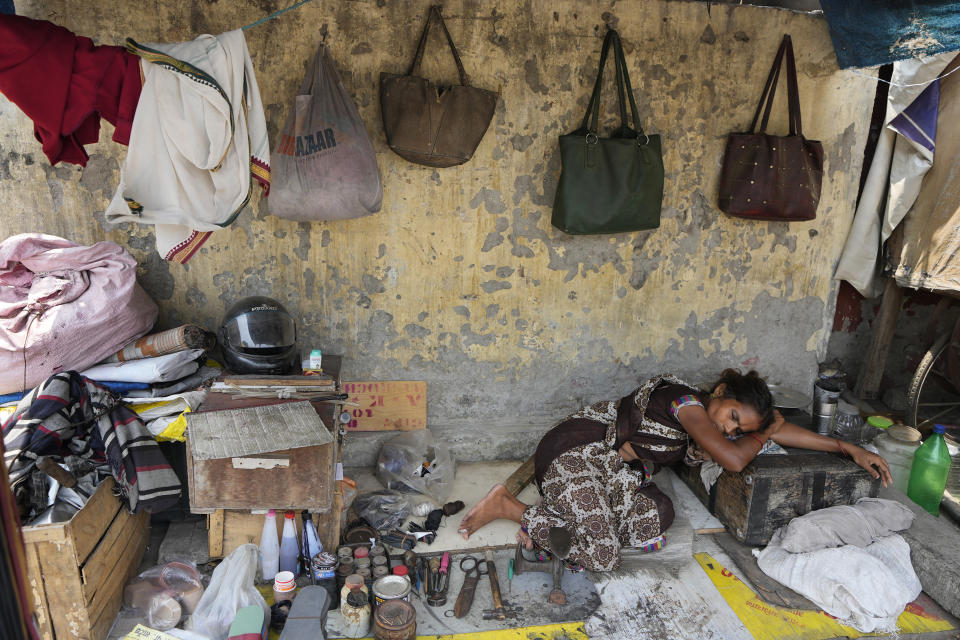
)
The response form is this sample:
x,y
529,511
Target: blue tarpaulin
x,y
867,33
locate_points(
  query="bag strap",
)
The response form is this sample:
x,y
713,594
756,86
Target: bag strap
x,y
592,116
309,80
770,89
435,15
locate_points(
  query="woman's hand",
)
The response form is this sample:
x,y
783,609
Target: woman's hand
x,y
875,465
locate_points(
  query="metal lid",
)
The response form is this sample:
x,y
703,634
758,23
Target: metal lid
x,y
903,433
389,587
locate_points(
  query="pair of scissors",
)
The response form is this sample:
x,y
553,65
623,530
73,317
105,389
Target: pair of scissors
x,y
471,576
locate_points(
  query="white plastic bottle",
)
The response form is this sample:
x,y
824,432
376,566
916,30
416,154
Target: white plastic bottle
x,y
310,540
289,549
269,547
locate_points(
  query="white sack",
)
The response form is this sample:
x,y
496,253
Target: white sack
x,y
172,366
861,524
867,588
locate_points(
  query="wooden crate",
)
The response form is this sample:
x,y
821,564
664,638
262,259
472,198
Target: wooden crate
x,y
227,529
774,489
77,569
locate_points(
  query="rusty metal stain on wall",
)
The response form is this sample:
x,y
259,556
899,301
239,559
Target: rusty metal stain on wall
x,y
460,280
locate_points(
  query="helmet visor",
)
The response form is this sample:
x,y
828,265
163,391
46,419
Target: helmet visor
x,y
260,330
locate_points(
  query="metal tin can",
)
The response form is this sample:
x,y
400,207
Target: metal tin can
x,y
391,587
379,572
362,563
379,561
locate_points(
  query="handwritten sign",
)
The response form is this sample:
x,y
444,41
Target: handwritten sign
x,y
387,406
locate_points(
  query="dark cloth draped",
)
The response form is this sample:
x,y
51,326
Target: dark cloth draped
x,y
69,414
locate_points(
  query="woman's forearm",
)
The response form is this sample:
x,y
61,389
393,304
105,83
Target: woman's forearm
x,y
791,435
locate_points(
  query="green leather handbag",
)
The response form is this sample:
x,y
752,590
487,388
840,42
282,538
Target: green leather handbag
x,y
615,184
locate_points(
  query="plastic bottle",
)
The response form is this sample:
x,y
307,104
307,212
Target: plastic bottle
x,y
310,540
289,549
928,475
269,547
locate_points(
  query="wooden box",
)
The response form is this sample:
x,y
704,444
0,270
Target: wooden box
x,y
774,489
227,529
77,569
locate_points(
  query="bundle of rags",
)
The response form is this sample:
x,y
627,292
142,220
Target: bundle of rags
x,y
198,141
72,415
848,561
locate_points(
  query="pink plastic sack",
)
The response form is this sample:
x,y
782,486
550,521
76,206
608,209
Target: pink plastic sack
x,y
65,306
324,166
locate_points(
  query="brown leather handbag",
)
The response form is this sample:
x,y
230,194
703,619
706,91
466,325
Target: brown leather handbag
x,y
773,177
431,125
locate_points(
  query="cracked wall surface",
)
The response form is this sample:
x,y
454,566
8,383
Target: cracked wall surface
x,y
461,280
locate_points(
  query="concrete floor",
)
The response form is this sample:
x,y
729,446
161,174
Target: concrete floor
x,y
666,594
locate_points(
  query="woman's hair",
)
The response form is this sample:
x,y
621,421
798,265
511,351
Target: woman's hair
x,y
748,389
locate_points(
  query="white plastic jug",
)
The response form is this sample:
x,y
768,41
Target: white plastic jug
x,y
269,547
897,445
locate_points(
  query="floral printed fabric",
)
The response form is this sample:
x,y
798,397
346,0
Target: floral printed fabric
x,y
603,503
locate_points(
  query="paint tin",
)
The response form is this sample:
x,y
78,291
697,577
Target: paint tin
x,y
395,620
391,588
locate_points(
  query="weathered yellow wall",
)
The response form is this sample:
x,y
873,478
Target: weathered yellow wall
x,y
460,280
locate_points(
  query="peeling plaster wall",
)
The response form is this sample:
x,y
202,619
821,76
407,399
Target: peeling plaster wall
x,y
460,280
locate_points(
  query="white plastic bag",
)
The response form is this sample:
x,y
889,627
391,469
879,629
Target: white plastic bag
x,y
231,588
172,366
324,166
413,462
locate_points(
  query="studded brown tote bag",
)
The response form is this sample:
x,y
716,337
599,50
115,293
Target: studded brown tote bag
x,y
769,177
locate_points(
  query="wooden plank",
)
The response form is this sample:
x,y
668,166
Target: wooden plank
x,y
521,477
328,524
279,381
97,569
306,484
243,527
103,610
91,522
215,534
387,406
868,381
61,579
41,609
56,532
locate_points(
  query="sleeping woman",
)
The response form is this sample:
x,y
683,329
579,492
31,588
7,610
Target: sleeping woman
x,y
594,468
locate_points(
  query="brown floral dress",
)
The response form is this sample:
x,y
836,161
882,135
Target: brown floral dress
x,y
605,503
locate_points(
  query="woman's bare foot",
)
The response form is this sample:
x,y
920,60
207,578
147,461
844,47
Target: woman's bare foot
x,y
524,538
498,503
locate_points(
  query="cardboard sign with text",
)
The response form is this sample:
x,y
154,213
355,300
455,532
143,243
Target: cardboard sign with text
x,y
387,406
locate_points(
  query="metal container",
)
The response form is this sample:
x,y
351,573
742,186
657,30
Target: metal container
x,y
362,563
395,620
390,587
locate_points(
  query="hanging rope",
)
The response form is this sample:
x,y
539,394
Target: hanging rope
x,y
897,84
275,14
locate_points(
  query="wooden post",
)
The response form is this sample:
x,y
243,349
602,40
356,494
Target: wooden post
x,y
520,478
868,382
215,534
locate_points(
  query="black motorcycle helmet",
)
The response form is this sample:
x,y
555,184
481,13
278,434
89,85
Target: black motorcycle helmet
x,y
258,336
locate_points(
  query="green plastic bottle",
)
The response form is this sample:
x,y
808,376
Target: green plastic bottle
x,y
928,474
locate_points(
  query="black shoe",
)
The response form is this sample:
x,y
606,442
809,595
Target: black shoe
x,y
559,539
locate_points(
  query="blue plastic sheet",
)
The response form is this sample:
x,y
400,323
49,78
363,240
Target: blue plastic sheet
x,y
867,33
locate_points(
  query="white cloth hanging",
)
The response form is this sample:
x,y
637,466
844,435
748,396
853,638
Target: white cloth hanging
x,y
893,180
198,138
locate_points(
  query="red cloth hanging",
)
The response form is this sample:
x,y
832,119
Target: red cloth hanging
x,y
65,84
